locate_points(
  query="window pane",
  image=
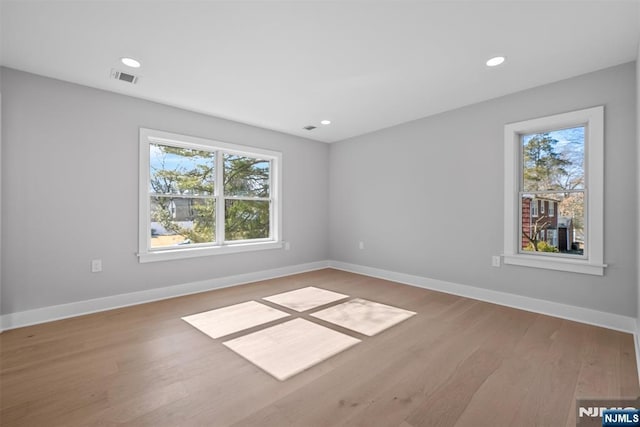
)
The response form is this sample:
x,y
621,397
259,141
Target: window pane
x,y
246,219
181,221
246,176
559,233
553,160
181,170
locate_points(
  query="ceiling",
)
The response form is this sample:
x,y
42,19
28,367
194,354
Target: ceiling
x,y
282,65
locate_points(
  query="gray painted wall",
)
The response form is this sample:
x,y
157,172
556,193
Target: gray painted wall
x,y
1,136
426,197
638,170
70,192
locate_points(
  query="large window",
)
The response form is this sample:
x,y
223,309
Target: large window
x,y
554,192
200,197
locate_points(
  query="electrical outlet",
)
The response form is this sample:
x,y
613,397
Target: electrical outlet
x,y
361,245
96,266
287,246
495,261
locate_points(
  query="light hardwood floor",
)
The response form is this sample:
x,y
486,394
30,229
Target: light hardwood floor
x,y
458,362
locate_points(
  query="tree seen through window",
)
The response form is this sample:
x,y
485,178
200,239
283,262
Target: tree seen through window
x,y
552,191
184,198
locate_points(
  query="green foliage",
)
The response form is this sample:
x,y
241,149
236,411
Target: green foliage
x,y
544,168
246,219
542,246
246,176
179,173
202,213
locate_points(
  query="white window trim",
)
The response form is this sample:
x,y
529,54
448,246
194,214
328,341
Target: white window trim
x,y
145,254
593,262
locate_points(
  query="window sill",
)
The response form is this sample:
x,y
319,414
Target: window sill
x,y
560,264
182,253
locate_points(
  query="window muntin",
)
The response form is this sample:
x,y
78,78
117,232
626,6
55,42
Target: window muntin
x,y
201,197
583,186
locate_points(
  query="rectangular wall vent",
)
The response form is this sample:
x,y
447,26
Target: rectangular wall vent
x,y
125,77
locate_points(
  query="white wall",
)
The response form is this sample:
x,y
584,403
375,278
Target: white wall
x,y
426,197
70,176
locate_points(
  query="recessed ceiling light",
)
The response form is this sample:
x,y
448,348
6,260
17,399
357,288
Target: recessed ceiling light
x,y
130,62
325,122
497,60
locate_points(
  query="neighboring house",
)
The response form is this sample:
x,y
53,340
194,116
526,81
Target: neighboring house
x,y
181,211
540,217
566,235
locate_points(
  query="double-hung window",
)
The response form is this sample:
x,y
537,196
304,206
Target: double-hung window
x,y
201,197
556,161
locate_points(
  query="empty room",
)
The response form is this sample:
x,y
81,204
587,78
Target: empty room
x,y
319,213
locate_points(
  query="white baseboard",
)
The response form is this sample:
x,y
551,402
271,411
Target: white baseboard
x,y
63,311
564,311
579,314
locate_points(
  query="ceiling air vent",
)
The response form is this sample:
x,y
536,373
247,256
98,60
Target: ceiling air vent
x,y
309,127
125,77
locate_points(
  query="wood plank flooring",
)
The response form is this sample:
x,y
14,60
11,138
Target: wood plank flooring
x,y
458,362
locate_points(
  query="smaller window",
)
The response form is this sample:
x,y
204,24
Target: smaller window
x,y
555,160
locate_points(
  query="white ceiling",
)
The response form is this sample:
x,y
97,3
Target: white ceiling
x,y
364,65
